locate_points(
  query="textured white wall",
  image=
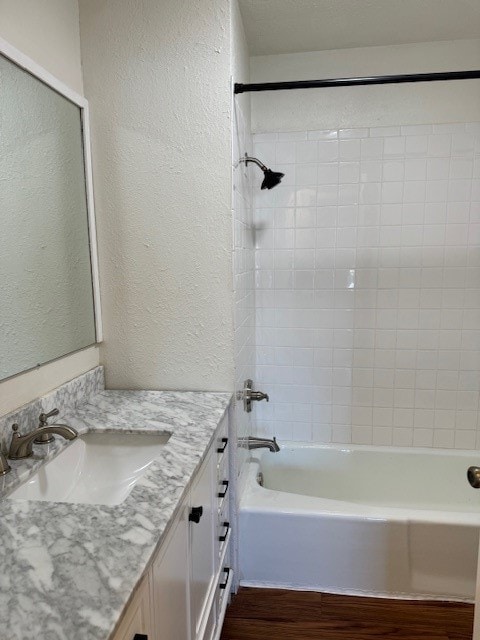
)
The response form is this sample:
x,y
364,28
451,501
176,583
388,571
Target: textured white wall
x,y
314,109
48,32
157,75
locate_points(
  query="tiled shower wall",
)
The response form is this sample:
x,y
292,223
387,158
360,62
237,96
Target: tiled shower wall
x,y
368,286
243,271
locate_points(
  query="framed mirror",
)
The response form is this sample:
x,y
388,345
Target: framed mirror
x,y
49,289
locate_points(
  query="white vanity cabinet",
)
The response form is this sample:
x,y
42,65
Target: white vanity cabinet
x,y
185,593
137,623
202,531
170,575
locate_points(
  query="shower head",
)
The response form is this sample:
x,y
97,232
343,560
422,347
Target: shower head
x,y
271,178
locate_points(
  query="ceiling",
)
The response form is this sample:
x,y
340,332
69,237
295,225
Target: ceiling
x,y
290,26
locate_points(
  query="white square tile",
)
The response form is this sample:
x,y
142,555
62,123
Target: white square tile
x,y
414,191
392,192
422,437
459,190
349,172
403,417
424,418
416,145
306,151
394,147
464,439
283,196
394,170
391,214
372,148
439,145
284,152
327,195
306,175
349,150
436,191
348,194
435,213
415,169
327,216
370,193
462,144
347,215
328,150
327,173
307,197
444,438
372,171
361,434
402,437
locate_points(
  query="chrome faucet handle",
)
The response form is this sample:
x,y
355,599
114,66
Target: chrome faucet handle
x,y
249,395
45,438
43,417
259,395
15,439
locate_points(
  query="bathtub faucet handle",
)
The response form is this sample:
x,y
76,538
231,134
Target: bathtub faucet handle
x,y
249,395
259,395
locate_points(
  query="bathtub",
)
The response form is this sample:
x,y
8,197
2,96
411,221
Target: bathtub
x,y
379,521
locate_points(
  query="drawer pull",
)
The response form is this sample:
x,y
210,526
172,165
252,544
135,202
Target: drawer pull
x,y
140,636
195,514
222,449
223,585
221,494
227,529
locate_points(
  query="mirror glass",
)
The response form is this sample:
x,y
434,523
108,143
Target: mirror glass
x,y
46,291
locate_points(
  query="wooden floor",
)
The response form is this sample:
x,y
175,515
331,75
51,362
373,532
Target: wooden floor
x,y
276,614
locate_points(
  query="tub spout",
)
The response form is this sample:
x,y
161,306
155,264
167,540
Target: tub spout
x,y
259,443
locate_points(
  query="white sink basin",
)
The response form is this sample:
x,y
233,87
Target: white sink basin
x,y
97,468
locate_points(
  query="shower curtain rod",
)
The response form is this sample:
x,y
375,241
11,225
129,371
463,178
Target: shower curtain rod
x,y
350,82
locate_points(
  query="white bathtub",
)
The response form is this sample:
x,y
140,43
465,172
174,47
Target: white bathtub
x,y
362,520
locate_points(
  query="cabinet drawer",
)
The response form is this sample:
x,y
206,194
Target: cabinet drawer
x,y
224,533
223,471
224,588
221,442
223,495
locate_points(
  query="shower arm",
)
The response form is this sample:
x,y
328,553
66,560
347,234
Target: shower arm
x,y
256,161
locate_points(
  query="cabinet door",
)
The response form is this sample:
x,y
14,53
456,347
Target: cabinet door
x,y
137,618
170,584
202,571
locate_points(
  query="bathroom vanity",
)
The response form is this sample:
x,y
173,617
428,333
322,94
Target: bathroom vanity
x,y
155,564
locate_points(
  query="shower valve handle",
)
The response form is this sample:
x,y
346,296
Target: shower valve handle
x,y
248,395
259,395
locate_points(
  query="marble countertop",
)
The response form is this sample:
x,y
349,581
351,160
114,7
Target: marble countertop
x,y
69,569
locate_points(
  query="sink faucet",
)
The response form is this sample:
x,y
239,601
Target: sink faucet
x,y
259,443
22,446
